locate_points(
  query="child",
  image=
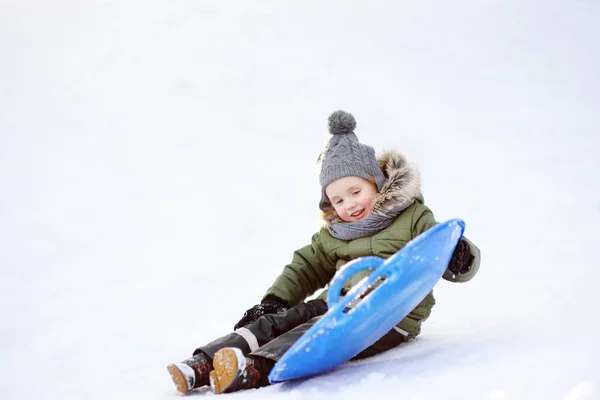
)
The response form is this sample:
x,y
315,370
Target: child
x,y
371,206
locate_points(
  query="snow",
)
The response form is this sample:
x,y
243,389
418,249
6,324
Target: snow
x,y
157,166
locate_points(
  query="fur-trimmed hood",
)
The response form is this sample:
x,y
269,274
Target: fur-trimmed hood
x,y
401,188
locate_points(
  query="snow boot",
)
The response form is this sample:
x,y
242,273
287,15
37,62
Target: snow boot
x,y
233,371
191,373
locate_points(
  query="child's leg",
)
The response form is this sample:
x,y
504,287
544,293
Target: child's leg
x,y
247,339
387,342
234,370
276,348
266,328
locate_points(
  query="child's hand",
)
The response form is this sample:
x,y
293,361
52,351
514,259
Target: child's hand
x,y
271,305
461,260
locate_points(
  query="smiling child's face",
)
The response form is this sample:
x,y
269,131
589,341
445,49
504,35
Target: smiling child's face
x,y
351,197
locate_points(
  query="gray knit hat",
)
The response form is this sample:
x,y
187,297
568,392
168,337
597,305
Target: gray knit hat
x,y
345,156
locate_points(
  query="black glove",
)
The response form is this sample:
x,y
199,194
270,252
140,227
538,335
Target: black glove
x,y
270,305
461,260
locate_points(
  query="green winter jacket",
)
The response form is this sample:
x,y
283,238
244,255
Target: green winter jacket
x,y
314,265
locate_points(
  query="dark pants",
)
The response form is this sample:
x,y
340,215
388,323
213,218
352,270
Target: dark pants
x,y
273,334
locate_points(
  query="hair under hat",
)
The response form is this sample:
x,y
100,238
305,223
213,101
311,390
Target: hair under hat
x,y
345,156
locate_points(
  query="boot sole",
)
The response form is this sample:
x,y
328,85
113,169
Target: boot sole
x,y
226,364
178,379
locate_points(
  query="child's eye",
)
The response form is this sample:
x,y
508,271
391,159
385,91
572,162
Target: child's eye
x,y
355,193
338,202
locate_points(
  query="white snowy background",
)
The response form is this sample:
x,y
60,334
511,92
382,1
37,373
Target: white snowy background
x,y
157,170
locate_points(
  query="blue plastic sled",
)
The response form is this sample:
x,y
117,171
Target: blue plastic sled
x,y
353,323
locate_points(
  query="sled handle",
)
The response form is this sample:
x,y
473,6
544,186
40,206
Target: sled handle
x,y
346,272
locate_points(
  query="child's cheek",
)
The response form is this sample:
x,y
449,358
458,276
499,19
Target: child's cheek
x,y
339,211
342,213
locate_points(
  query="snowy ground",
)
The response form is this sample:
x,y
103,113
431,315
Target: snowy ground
x,y
157,170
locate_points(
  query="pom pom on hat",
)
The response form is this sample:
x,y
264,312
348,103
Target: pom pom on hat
x,y
341,122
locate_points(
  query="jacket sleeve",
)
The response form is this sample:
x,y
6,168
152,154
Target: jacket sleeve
x,y
424,220
309,271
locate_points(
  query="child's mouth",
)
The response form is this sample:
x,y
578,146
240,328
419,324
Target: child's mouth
x,y
356,214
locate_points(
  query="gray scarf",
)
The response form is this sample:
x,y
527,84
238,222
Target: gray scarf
x,y
367,227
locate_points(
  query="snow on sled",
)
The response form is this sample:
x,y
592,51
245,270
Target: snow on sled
x,y
374,305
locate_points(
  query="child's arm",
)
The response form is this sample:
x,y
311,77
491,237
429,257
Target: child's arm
x,y
309,271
